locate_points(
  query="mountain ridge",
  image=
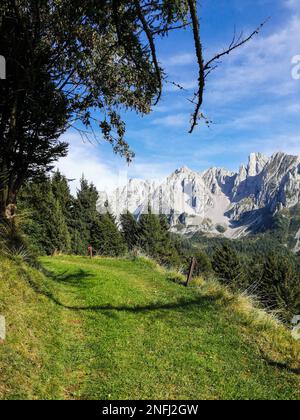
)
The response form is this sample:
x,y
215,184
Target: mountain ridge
x,y
218,200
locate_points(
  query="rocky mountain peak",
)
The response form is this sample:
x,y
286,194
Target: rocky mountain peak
x,y
184,170
217,199
257,162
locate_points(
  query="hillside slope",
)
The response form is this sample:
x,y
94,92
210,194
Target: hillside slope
x,y
121,329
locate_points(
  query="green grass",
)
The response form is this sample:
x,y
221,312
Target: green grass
x,y
121,329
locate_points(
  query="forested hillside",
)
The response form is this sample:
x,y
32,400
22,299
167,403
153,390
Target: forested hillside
x,y
54,221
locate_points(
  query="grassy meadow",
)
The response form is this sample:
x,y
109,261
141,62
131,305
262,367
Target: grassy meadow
x,y
124,329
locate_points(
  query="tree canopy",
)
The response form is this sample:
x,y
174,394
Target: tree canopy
x,y
79,64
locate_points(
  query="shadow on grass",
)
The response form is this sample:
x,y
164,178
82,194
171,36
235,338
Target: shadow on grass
x,y
177,280
76,280
70,279
279,365
201,302
179,304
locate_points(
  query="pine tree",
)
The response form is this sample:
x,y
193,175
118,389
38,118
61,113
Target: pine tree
x,y
61,239
83,216
280,284
169,254
61,191
150,234
130,229
106,239
204,266
227,265
164,223
155,239
46,224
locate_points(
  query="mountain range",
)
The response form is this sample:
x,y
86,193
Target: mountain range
x,y
217,201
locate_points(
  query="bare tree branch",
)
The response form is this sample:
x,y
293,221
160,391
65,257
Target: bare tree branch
x,y
206,69
152,47
177,85
199,53
234,45
171,28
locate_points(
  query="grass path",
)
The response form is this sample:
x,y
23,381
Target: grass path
x,y
127,332
141,336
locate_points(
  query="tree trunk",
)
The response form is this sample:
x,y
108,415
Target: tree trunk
x,y
8,201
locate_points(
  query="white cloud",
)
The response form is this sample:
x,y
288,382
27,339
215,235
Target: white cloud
x,y
150,170
183,59
170,106
293,108
288,143
83,158
264,115
261,71
177,120
292,4
262,67
87,159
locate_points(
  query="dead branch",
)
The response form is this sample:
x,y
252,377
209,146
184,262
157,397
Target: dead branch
x,y
206,69
234,45
152,47
171,28
177,85
199,53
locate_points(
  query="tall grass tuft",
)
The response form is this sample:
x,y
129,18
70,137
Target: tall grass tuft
x,y
13,243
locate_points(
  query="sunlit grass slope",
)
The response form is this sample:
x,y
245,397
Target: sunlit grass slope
x,y
122,329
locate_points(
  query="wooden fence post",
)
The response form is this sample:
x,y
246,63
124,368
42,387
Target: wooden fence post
x,y
191,271
90,251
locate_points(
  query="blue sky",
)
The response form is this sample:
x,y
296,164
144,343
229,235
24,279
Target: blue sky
x,y
252,99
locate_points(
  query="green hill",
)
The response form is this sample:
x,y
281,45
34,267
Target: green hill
x,y
122,329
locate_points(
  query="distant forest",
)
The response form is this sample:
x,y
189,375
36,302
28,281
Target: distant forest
x,y
53,221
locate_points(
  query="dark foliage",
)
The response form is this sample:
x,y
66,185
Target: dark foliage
x,y
280,285
227,266
45,223
57,222
106,238
130,230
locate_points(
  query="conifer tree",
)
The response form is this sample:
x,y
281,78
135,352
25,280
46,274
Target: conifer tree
x,y
61,239
61,191
83,216
46,224
227,265
204,266
130,229
155,239
106,238
280,285
150,234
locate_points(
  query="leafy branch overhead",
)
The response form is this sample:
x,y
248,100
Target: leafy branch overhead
x,y
134,28
80,64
